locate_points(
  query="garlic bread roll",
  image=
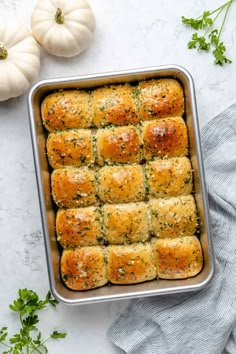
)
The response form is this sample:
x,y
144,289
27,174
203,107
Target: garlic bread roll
x,y
130,264
121,184
178,258
165,138
159,98
66,109
79,227
84,268
73,187
169,177
70,148
113,105
125,223
119,145
173,217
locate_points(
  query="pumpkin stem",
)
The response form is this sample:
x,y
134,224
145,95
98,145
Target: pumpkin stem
x,y
59,18
3,52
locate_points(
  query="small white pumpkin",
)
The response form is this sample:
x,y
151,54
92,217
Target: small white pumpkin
x,y
63,27
19,58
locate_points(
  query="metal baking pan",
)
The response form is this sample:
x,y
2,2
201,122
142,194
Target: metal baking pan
x,y
38,135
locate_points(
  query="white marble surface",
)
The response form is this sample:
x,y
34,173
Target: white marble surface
x,y
129,34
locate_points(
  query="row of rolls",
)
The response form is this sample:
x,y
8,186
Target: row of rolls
x,y
80,187
119,224
121,104
91,267
160,138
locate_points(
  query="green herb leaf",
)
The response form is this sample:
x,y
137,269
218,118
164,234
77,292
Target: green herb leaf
x,y
219,54
199,43
203,22
195,24
51,300
206,20
3,334
57,335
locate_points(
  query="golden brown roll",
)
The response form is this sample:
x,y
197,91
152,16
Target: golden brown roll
x,y
70,148
113,105
129,264
121,184
160,98
169,177
66,109
125,223
178,258
165,138
84,268
79,227
119,145
73,187
173,217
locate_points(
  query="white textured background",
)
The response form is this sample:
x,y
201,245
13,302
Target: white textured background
x,y
129,34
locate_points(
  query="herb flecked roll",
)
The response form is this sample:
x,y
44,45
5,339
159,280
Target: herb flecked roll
x,y
173,217
126,223
119,145
165,138
159,98
169,177
79,227
178,258
70,148
121,184
73,187
130,264
84,268
113,104
65,110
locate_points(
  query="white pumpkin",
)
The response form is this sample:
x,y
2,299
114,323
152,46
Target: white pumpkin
x,y
19,58
63,27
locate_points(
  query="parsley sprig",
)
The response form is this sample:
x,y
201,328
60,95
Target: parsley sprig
x,y
29,339
211,37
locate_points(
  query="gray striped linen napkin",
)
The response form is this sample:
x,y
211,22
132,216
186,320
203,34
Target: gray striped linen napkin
x,y
202,322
